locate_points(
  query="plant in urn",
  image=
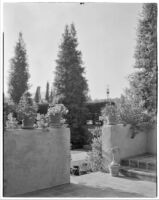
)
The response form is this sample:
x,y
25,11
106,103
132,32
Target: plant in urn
x,y
55,113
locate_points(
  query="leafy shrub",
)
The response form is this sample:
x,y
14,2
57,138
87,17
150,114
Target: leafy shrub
x,y
95,156
80,136
9,107
131,112
43,108
76,138
26,107
95,159
57,109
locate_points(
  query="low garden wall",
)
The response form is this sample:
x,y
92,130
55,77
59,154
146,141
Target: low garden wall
x,y
35,159
152,140
120,136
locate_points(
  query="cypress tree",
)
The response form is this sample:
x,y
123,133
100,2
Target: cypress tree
x,y
70,84
18,75
51,96
37,97
47,92
144,80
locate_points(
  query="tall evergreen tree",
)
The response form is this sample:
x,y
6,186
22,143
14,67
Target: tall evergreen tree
x,y
47,92
53,99
19,75
37,97
70,84
51,96
144,80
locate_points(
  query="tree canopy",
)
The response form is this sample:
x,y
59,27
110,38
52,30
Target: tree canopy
x,y
138,106
144,81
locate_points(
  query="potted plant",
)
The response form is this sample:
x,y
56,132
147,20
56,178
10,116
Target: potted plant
x,y
114,165
42,121
55,113
11,122
27,111
109,114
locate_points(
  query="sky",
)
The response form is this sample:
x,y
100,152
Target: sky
x,y
106,35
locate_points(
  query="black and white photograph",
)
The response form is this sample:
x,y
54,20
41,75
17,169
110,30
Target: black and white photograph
x,y
79,99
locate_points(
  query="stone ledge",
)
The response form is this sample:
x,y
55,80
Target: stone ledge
x,y
136,173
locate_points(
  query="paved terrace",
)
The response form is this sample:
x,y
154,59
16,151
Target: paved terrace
x,y
78,156
99,184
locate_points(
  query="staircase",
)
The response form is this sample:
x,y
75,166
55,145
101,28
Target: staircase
x,y
142,167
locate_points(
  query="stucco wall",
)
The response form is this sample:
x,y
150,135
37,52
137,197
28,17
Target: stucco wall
x,y
152,140
119,135
34,159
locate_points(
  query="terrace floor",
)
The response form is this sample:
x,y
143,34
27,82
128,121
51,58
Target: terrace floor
x,y
99,184
78,156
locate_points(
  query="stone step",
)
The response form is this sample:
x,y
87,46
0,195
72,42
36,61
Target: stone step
x,y
145,162
139,173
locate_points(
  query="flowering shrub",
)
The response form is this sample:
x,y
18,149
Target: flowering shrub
x,y
95,158
26,107
42,121
131,112
57,109
11,122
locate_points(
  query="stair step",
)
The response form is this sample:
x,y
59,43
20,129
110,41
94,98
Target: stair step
x,y
140,163
138,173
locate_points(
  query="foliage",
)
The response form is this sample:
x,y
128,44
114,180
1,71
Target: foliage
x,y
47,92
11,122
42,121
95,158
80,136
87,136
42,108
131,111
19,75
144,81
70,84
26,107
138,106
9,107
96,131
53,98
37,97
57,109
